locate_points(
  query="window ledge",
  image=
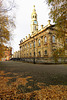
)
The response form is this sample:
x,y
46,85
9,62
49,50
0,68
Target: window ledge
x,y
45,54
39,45
54,42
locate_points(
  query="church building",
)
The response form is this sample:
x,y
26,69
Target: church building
x,y
40,44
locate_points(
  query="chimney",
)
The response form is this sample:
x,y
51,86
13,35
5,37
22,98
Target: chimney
x,y
49,22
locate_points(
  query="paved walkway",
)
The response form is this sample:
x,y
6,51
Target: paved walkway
x,y
49,74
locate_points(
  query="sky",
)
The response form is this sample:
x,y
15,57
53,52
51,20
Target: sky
x,y
23,12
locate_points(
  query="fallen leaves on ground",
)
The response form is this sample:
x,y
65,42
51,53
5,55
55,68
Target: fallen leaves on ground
x,y
10,92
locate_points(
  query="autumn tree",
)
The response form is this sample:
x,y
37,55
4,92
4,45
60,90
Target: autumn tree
x,y
58,13
58,53
6,26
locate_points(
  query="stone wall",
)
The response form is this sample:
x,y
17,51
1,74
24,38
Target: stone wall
x,y
44,60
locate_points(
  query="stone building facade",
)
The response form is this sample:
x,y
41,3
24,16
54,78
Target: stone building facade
x,y
16,54
39,46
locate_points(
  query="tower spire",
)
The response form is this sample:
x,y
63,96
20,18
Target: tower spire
x,y
34,8
34,22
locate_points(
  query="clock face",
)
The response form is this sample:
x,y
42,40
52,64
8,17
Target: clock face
x,y
35,22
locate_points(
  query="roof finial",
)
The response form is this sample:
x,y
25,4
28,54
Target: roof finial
x,y
34,6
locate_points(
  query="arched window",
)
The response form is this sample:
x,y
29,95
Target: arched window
x,y
30,54
39,53
27,54
34,43
35,27
45,52
34,53
39,42
45,39
30,45
53,39
33,16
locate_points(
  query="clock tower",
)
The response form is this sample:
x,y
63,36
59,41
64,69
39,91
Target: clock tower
x,y
34,22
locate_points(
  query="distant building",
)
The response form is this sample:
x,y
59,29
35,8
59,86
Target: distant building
x,y
16,54
41,44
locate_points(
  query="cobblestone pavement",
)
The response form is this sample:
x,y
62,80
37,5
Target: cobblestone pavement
x,y
26,81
